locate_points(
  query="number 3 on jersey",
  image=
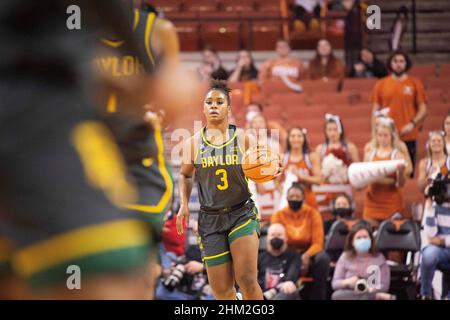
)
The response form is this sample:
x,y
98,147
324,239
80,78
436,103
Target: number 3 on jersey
x,y
224,179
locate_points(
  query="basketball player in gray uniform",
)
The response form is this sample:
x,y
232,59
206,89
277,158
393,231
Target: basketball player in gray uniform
x,y
228,222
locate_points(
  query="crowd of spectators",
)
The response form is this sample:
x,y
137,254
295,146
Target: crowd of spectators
x,y
293,257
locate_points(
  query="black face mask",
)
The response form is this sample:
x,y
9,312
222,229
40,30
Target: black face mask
x,y
342,212
295,205
276,243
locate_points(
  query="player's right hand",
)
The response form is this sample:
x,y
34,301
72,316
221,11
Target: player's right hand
x,y
182,216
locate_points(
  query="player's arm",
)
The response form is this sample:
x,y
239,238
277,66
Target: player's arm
x,y
186,182
169,40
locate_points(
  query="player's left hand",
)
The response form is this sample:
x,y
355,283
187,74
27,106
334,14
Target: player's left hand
x,y
182,217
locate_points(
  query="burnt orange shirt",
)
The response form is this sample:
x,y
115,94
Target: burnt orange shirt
x,y
382,201
403,98
304,228
273,69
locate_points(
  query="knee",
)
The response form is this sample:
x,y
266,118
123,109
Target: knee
x,y
247,280
429,256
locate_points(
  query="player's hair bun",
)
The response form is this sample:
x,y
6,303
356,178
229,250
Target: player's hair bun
x,y
221,85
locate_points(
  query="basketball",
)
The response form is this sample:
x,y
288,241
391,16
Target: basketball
x,y
260,164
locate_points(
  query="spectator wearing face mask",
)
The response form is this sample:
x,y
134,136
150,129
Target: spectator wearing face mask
x,y
361,272
341,209
278,266
304,228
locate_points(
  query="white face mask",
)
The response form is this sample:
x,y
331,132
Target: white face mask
x,y
250,115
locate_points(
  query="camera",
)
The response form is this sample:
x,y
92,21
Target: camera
x,y
176,274
361,286
438,189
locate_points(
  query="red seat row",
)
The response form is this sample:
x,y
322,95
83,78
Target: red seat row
x,y
227,35
216,5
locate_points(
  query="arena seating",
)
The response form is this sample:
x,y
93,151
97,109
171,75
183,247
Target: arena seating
x,y
401,236
263,33
423,71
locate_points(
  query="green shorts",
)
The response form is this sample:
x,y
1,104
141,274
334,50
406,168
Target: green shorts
x,y
66,210
218,231
155,186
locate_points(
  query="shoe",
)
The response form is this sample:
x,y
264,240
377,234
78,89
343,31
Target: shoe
x,y
314,25
239,296
299,26
426,298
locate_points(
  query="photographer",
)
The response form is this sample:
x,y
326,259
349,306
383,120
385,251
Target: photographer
x,y
435,170
278,267
185,277
361,272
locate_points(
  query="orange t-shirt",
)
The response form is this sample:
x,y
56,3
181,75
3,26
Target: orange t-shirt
x,y
403,98
382,201
304,228
305,167
273,69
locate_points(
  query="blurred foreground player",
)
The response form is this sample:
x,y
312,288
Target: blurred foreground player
x,y
62,177
228,222
140,141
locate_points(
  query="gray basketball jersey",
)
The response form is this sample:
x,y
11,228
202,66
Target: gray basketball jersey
x,y
220,179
